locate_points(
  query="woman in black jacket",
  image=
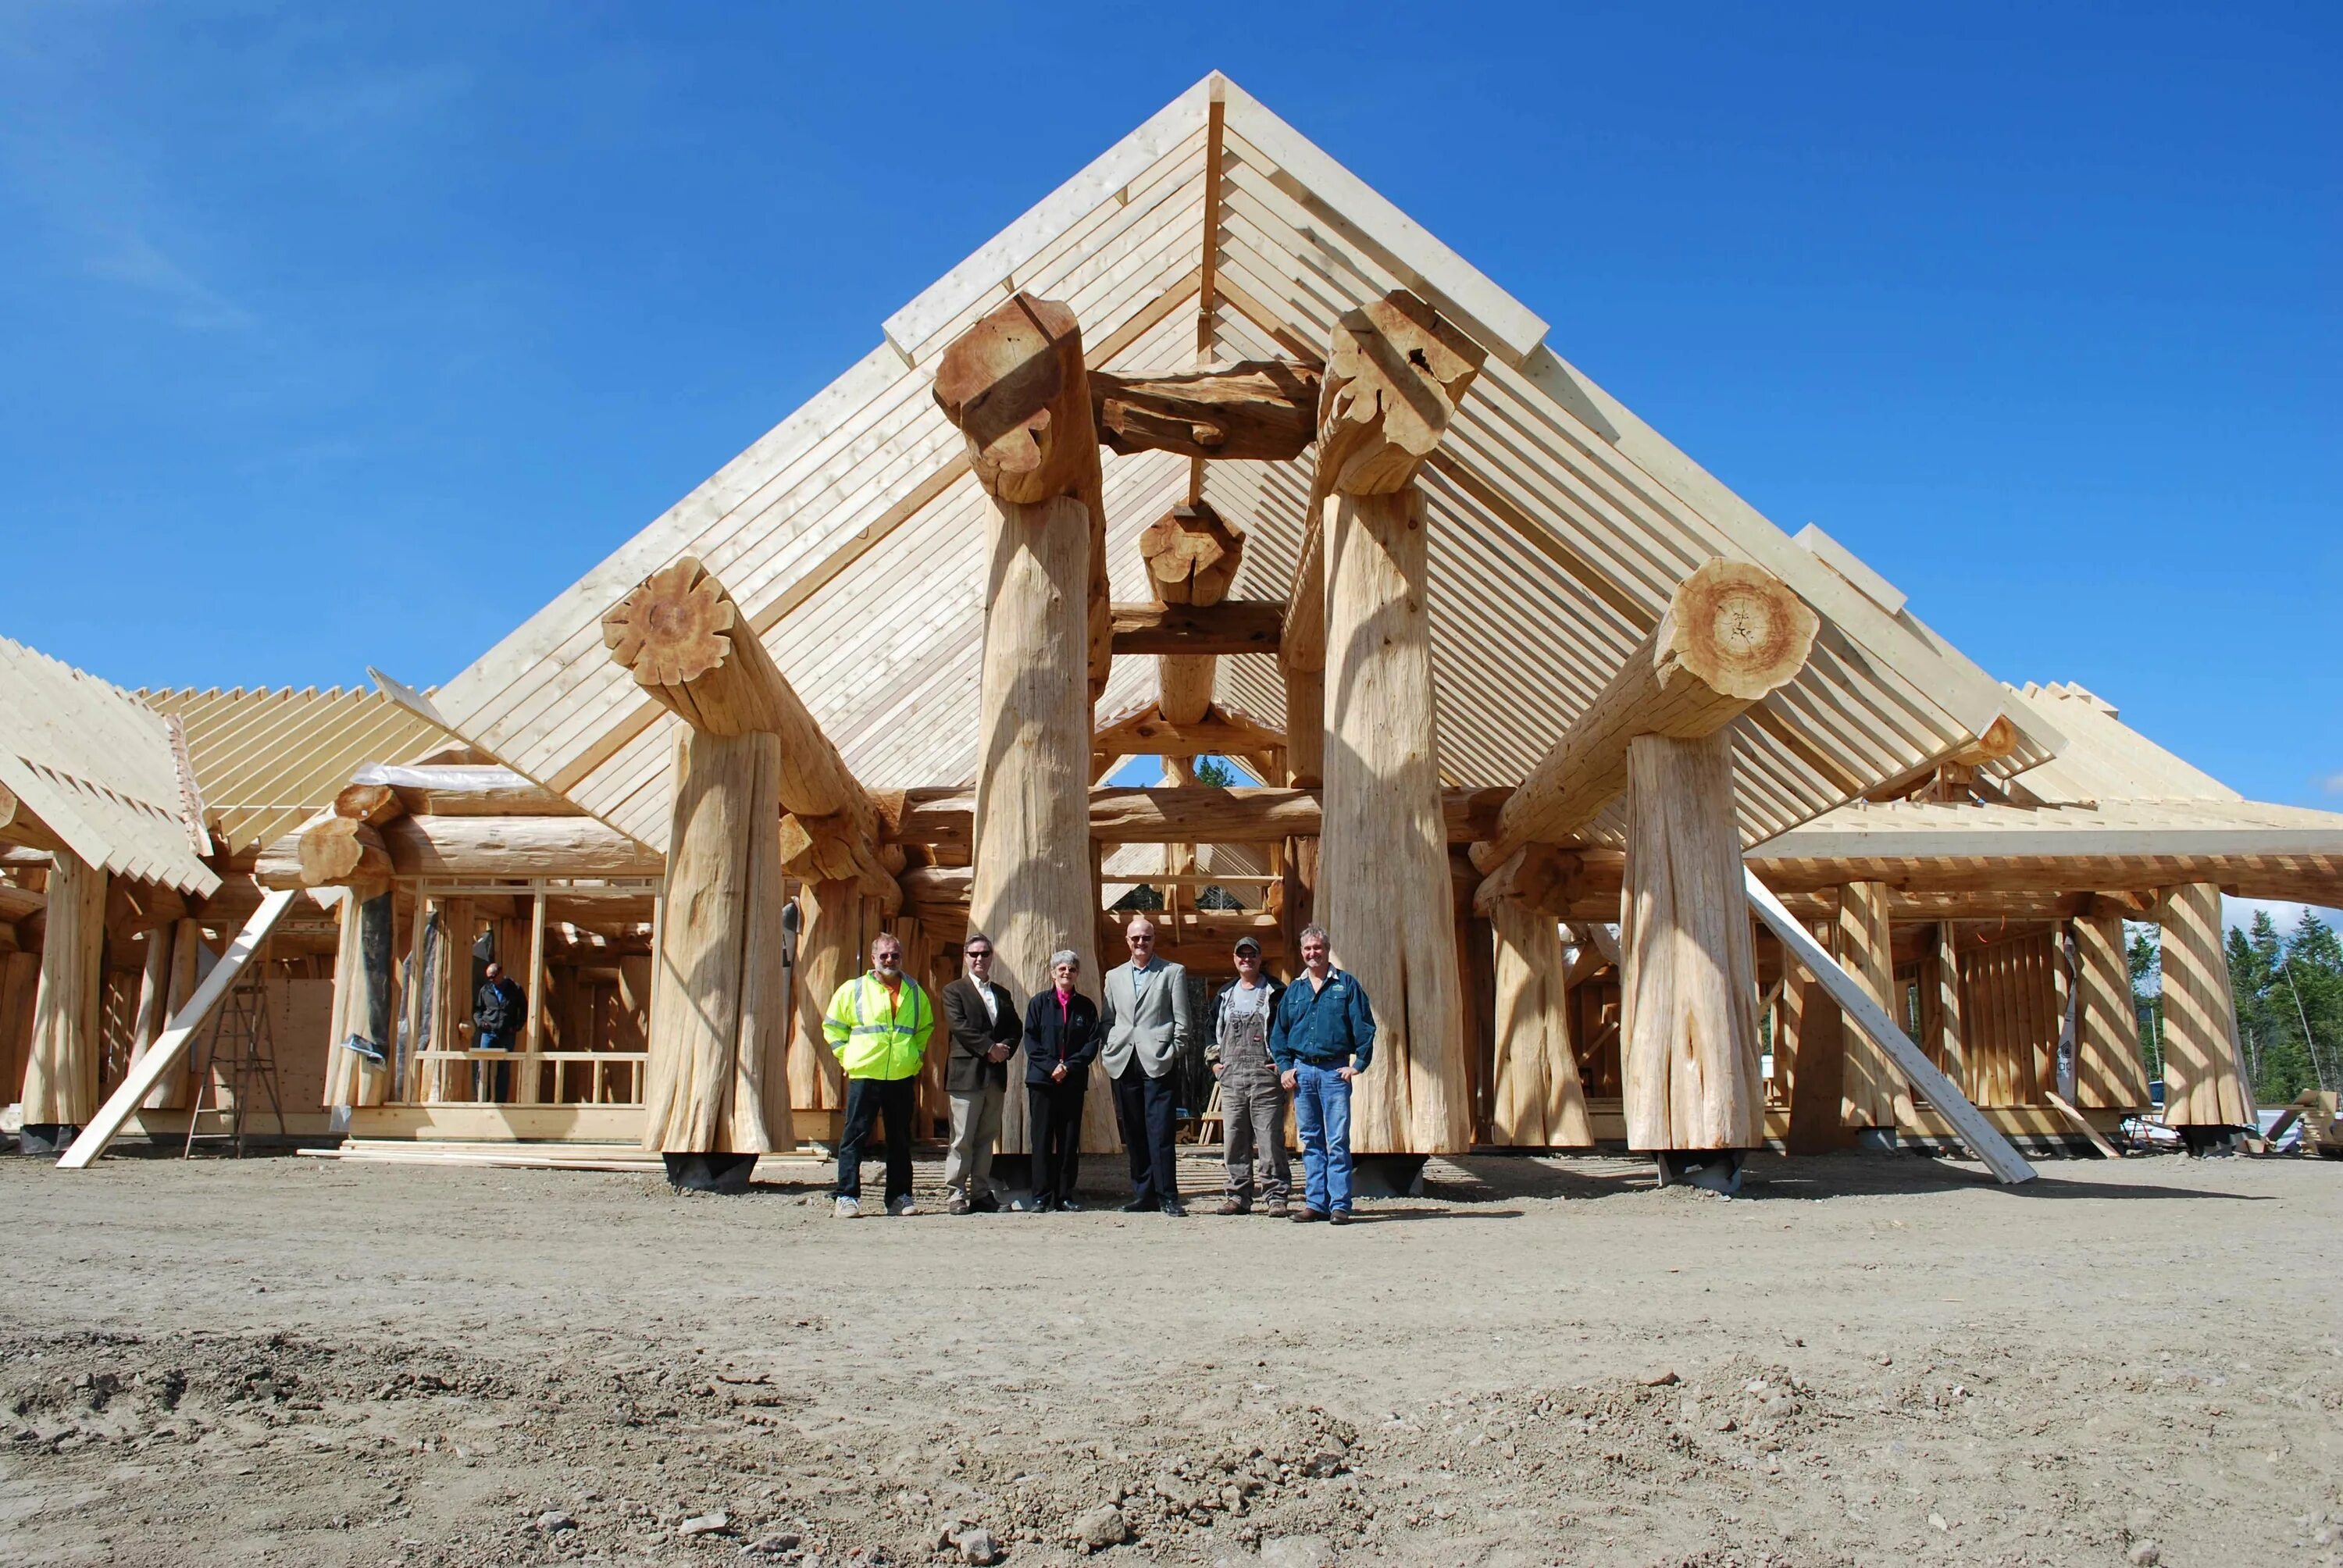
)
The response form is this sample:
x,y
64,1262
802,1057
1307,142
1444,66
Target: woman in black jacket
x,y
1061,1035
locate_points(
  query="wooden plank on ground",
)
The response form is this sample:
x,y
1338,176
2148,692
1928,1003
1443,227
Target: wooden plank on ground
x,y
1998,1154
2067,1108
165,1054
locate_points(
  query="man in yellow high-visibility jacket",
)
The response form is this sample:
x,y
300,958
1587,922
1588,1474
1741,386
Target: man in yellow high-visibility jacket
x,y
879,1024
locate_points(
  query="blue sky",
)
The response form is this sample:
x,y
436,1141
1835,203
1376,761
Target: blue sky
x,y
339,337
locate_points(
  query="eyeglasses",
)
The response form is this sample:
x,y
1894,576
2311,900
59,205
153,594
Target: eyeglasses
x,y
976,953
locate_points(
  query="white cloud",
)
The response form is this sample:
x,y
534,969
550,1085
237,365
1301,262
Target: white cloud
x,y
2332,783
2239,912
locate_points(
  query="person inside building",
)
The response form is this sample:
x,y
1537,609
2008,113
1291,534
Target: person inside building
x,y
1323,1038
1253,1101
1144,1015
498,1014
879,1024
1061,1039
982,1018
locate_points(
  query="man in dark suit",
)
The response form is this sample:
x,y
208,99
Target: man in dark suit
x,y
1143,1011
982,1017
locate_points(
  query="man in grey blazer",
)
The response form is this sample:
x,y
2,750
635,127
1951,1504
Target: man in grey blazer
x,y
1144,1016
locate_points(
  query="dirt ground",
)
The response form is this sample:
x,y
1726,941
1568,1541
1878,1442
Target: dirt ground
x,y
296,1360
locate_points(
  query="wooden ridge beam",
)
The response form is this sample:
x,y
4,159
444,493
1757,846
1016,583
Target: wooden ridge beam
x,y
939,819
1232,626
1256,408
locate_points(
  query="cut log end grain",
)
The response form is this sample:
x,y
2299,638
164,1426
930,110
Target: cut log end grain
x,y
1191,555
373,804
1014,385
673,628
1394,376
1737,628
343,851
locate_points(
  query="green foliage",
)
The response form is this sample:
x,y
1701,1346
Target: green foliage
x,y
2145,956
1214,773
2288,992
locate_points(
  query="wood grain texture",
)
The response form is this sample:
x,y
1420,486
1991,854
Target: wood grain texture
x,y
1383,880
1688,997
1537,1101
1732,634
940,820
829,952
1230,626
2204,1075
2109,1073
1031,889
1872,1093
719,999
61,1065
1259,409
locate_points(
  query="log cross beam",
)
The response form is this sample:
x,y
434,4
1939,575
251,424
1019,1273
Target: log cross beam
x,y
1732,633
690,648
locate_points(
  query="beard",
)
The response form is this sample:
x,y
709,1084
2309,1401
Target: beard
x,y
891,970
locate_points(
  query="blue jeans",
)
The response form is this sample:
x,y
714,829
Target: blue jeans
x,y
1322,1108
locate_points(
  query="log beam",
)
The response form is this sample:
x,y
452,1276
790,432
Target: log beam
x,y
1732,634
940,820
1212,733
1229,625
482,849
1688,983
1257,408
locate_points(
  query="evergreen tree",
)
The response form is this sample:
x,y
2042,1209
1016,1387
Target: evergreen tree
x,y
2144,954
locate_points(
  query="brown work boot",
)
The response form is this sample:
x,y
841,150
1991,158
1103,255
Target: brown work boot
x,y
1234,1206
1275,1209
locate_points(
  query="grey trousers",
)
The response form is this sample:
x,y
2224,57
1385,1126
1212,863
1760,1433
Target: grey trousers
x,y
975,1129
1252,1124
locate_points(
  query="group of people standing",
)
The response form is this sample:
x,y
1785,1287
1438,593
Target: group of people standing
x,y
1309,1040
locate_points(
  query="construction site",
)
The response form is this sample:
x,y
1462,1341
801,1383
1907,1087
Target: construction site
x,y
1761,1162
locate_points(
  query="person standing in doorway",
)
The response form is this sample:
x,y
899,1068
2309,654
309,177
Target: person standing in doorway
x,y
1062,1040
982,1018
1145,1018
879,1024
1252,1103
1323,1037
498,1015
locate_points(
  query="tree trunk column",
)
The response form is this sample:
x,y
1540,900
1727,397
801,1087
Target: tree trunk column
x,y
829,953
61,1064
1689,1057
1874,1100
362,982
2204,1082
1538,1100
1395,374
1016,386
2108,1072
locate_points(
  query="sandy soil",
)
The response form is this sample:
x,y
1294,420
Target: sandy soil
x,y
1862,1360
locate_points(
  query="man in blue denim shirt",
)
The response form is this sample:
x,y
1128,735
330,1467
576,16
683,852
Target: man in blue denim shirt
x,y
1324,1037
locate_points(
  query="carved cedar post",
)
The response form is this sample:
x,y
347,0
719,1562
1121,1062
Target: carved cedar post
x,y
1015,385
719,1001
1191,559
60,1064
1394,374
1873,1099
1538,1100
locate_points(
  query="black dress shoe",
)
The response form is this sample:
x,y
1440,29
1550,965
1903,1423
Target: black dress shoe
x,y
1177,1210
988,1204
1068,1206
1139,1206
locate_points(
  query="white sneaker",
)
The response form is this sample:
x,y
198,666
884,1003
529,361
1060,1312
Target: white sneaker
x,y
901,1207
848,1208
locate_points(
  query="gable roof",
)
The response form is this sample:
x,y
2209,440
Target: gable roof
x,y
2113,797
267,761
101,771
852,533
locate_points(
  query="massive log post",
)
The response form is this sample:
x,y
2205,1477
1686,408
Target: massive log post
x,y
2204,1083
61,1066
1395,374
1688,1051
829,953
1732,634
719,1016
1873,1099
1538,1101
362,987
1814,1031
2108,1072
1191,559
1016,386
